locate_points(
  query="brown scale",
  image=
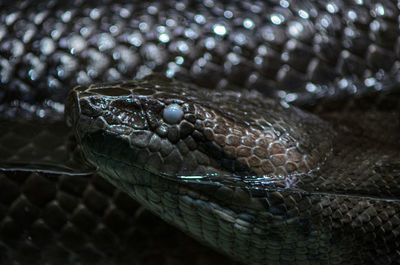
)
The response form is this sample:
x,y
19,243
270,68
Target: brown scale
x,y
261,151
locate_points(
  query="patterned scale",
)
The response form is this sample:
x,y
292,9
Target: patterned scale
x,y
297,52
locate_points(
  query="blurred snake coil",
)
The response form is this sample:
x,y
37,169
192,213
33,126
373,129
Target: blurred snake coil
x,y
267,130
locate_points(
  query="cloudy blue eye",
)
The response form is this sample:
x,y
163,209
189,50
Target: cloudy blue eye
x,y
173,114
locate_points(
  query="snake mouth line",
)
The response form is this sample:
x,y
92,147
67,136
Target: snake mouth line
x,y
207,181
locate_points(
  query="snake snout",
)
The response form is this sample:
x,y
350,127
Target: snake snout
x,y
72,108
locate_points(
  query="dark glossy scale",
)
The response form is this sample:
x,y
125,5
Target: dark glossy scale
x,y
252,179
293,51
298,52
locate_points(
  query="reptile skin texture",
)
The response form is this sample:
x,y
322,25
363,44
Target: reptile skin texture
x,y
260,199
337,59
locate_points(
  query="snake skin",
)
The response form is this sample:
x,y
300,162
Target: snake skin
x,y
264,200
297,52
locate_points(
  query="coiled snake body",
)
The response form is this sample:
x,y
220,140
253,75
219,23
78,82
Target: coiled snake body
x,y
234,164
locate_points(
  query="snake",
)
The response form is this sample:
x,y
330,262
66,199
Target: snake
x,y
270,133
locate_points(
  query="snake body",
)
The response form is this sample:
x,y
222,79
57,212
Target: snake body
x,y
255,188
254,177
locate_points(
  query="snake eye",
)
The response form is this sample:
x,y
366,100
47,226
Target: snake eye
x,y
173,114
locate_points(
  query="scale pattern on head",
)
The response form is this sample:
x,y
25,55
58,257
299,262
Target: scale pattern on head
x,y
173,129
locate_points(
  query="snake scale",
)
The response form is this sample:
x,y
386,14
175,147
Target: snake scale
x,y
277,144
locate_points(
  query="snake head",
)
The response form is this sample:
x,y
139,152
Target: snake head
x,y
167,128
